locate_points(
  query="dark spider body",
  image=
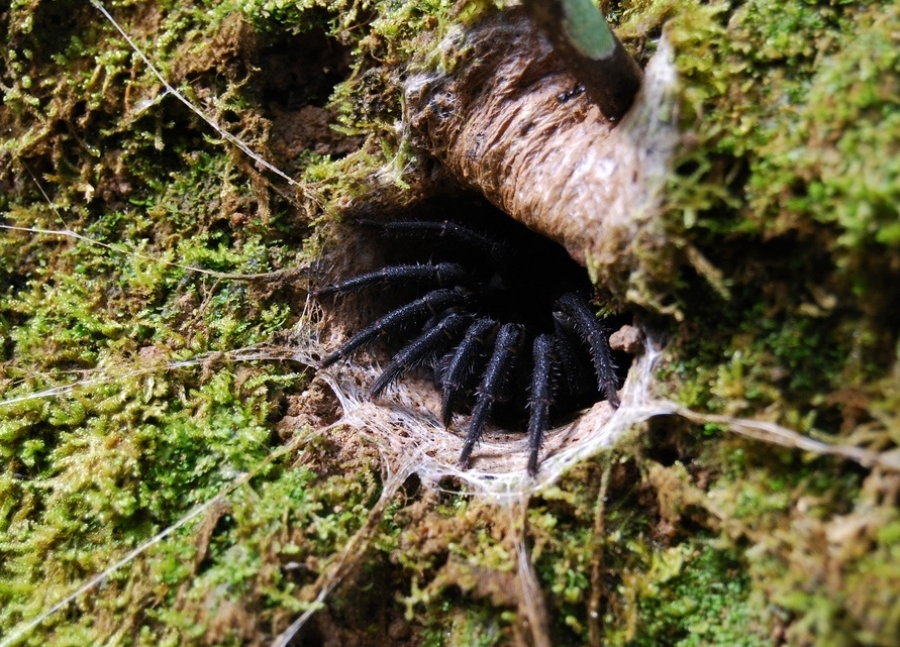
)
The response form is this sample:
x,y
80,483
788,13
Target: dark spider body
x,y
502,318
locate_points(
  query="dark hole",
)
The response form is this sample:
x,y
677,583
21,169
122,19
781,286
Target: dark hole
x,y
517,278
523,279
411,486
302,70
297,76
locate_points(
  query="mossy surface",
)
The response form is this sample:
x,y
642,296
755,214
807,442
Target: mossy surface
x,y
781,215
150,253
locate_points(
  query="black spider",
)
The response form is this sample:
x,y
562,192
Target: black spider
x,y
503,320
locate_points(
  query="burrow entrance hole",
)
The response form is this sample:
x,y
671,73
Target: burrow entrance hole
x,y
518,279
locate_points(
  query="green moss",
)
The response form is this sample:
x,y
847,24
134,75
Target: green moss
x,y
123,321
791,106
786,109
653,584
693,594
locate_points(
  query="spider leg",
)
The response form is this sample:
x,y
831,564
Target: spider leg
x,y
593,334
432,302
438,273
491,383
429,342
460,364
540,397
568,345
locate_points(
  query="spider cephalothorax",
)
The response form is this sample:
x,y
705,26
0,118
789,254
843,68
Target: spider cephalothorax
x,y
502,318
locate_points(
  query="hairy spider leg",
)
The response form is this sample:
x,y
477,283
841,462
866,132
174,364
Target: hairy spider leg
x,y
461,363
431,342
567,353
593,334
491,383
443,229
431,303
540,396
441,274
